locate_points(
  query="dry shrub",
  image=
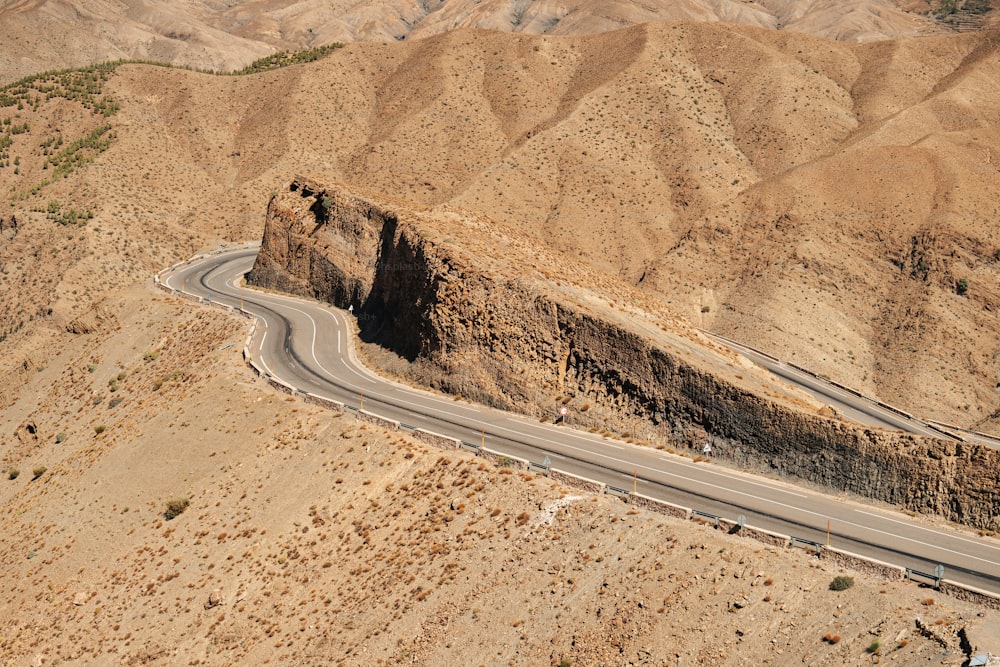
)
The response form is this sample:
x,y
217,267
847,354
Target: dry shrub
x,y
841,583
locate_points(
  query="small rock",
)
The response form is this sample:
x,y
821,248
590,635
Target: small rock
x,y
80,599
214,599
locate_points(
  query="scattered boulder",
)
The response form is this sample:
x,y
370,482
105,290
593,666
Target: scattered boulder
x,y
214,599
8,227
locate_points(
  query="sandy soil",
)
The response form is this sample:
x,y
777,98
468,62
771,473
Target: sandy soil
x,y
821,201
36,36
312,539
818,199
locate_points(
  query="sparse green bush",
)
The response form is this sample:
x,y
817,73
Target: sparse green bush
x,y
962,286
100,428
152,355
61,438
284,59
175,507
38,472
565,662
841,583
13,473
874,646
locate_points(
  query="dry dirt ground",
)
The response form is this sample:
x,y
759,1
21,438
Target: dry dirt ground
x,y
819,199
38,35
313,539
823,201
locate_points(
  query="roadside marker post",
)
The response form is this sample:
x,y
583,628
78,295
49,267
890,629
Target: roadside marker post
x,y
362,401
827,532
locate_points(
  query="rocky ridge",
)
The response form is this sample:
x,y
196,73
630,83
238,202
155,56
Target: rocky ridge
x,y
230,35
481,313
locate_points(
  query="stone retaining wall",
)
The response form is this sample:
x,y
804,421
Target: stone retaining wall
x,y
436,439
969,594
766,536
863,564
335,406
503,460
575,481
377,420
659,506
281,386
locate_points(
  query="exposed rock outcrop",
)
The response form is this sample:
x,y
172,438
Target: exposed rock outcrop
x,y
487,314
8,227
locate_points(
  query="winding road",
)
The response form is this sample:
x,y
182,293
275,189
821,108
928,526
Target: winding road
x,y
309,345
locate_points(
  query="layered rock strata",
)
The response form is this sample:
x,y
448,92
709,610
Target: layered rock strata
x,y
481,312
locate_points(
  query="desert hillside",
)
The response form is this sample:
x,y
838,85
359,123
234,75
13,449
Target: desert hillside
x,y
827,202
36,36
820,199
466,306
309,538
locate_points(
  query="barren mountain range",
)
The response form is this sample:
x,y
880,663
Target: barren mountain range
x,y
828,202
832,202
38,35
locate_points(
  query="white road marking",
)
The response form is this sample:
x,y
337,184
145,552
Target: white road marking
x,y
262,362
929,530
281,301
611,445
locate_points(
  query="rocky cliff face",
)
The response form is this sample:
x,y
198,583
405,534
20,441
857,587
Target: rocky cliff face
x,y
483,313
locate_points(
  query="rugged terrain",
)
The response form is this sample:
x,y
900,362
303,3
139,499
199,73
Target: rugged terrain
x,y
829,203
821,200
312,539
482,313
36,36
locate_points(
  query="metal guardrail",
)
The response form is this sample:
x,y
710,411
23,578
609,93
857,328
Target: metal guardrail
x,y
407,427
475,448
941,428
714,518
817,546
917,575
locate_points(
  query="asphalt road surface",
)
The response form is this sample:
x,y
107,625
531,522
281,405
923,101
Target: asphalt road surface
x,y
309,345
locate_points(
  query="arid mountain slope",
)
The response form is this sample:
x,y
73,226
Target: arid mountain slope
x,y
818,199
36,36
313,539
526,330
